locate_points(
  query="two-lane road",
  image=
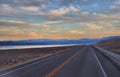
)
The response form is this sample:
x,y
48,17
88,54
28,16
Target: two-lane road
x,y
82,61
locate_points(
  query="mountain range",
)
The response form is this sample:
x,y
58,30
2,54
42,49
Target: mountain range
x,y
54,42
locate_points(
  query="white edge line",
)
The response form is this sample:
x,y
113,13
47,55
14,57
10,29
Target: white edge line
x,y
101,67
110,53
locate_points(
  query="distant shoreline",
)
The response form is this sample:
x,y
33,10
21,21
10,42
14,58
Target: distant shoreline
x,y
34,46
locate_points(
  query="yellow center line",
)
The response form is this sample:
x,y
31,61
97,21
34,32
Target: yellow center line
x,y
60,66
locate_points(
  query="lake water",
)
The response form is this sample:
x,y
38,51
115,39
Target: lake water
x,y
32,46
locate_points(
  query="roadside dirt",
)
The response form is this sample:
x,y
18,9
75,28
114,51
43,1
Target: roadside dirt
x,y
15,57
112,45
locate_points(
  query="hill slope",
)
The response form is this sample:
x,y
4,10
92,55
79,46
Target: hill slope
x,y
111,44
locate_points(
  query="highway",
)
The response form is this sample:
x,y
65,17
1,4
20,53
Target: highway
x,y
81,61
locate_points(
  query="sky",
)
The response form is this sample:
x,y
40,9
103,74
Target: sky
x,y
59,19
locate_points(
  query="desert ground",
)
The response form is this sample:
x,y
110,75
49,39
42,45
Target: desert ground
x,y
112,45
15,57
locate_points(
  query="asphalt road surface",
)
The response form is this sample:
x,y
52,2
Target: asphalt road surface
x,y
81,61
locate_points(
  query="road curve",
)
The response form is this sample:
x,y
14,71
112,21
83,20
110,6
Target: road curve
x,y
81,61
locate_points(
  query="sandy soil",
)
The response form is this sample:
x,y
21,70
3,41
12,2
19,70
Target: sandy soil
x,y
15,57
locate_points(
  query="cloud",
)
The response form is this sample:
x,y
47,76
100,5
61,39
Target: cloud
x,y
67,15
16,32
93,26
24,2
33,34
67,2
30,8
77,32
7,32
11,23
55,31
62,11
29,29
2,28
51,22
45,18
19,8
4,8
105,33
115,7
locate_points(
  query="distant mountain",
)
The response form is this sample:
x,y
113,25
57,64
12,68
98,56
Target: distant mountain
x,y
112,44
110,37
54,42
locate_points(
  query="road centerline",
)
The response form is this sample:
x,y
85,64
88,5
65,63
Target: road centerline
x,y
61,65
